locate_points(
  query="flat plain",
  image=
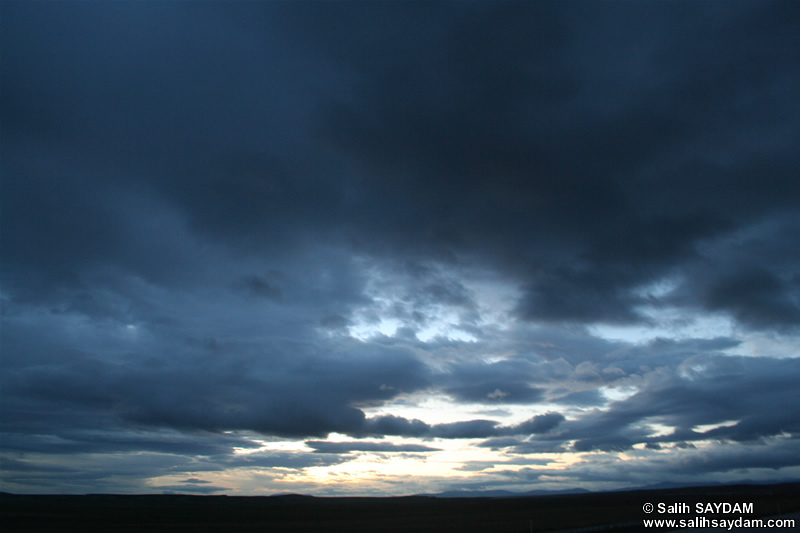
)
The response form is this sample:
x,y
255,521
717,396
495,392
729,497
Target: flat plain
x,y
601,511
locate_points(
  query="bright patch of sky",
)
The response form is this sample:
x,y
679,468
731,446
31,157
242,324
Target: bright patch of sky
x,y
261,445
658,430
394,306
703,428
616,394
768,344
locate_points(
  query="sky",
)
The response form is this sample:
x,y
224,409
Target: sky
x,y
374,249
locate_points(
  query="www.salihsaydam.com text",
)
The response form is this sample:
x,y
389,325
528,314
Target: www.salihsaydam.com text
x,y
726,523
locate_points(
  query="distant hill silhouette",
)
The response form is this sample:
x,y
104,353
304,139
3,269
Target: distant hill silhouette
x,y
462,512
503,493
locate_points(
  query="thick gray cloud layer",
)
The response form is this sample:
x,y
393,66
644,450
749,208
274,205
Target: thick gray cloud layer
x,y
201,201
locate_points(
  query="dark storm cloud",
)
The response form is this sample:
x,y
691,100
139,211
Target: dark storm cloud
x,y
511,152
739,393
558,363
78,473
308,394
272,459
467,429
727,463
112,440
509,381
498,391
539,424
756,297
496,138
157,124
719,389
693,386
109,468
582,398
660,352
726,459
259,286
513,146
68,372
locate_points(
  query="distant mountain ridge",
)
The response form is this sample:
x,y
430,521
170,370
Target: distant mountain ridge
x,y
503,493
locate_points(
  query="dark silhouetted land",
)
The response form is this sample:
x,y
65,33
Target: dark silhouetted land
x,y
182,513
